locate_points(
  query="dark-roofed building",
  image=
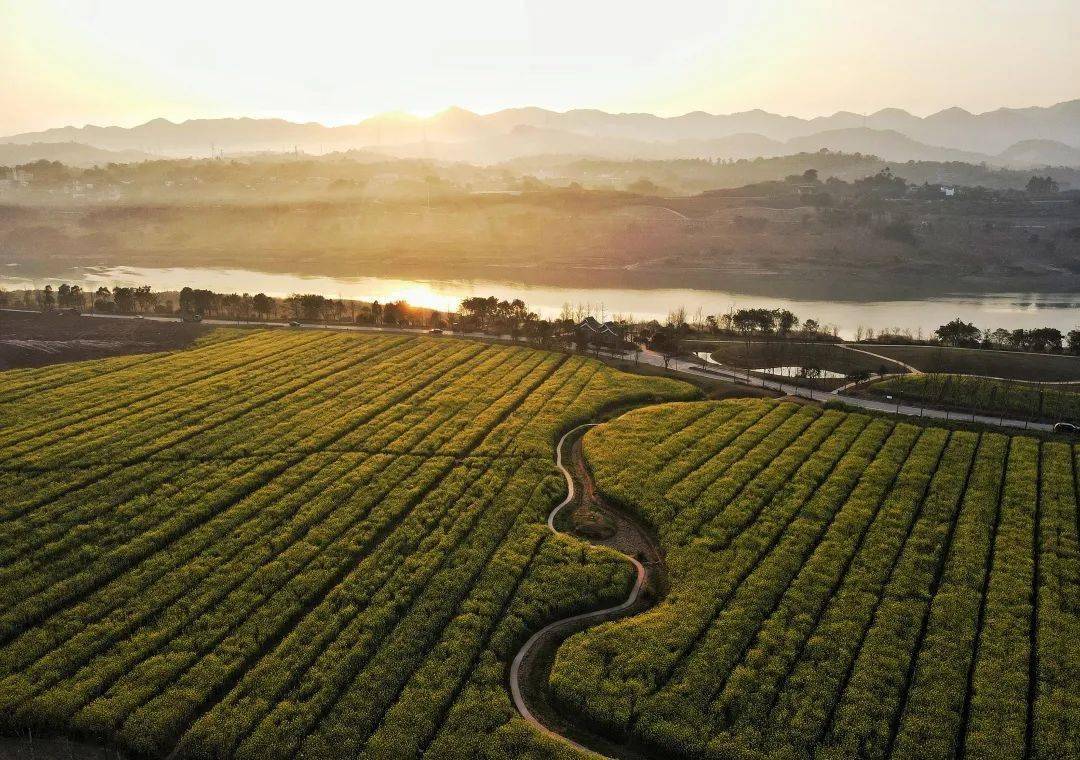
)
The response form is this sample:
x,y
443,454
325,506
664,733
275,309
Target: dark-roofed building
x,y
592,332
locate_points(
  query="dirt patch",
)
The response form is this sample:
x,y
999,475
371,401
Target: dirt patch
x,y
36,340
53,749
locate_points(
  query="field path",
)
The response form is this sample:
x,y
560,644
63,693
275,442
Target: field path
x,y
531,665
913,370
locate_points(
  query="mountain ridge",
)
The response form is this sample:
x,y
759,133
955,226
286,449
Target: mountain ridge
x,y
949,134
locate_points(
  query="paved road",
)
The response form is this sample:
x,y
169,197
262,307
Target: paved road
x,y
679,366
713,371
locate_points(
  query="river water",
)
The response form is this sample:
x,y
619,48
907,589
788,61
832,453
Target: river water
x,y
1008,310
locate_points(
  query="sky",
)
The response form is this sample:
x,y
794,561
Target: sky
x,y
128,61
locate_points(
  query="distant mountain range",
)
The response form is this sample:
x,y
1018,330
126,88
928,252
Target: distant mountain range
x,y
1015,137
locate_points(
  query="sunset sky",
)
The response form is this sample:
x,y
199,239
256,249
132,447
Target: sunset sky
x,y
125,62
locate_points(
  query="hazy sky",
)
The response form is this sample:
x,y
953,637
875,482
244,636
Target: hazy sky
x,y
125,62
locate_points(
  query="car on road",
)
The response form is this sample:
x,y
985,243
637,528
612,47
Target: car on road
x,y
1067,428
294,323
434,331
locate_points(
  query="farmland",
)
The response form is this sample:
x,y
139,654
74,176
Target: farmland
x,y
283,544
987,395
1012,365
841,586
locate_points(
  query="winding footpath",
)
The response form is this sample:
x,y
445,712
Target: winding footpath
x,y
570,624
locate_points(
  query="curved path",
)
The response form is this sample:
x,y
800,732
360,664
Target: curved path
x,y
570,624
715,371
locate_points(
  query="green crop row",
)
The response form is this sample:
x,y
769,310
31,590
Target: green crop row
x,y
1056,732
280,543
930,723
999,702
872,592
987,395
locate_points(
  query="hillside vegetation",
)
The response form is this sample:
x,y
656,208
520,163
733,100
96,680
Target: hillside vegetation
x,y
841,586
291,544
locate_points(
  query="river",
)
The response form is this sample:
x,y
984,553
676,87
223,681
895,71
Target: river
x,y
1008,310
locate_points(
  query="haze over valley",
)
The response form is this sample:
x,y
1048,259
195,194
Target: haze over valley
x,y
1016,138
540,380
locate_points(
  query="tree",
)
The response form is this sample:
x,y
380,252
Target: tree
x,y
1042,186
103,301
124,298
786,321
958,333
187,300
263,305
668,343
48,300
884,184
479,313
145,299
750,321
1000,337
394,313
1045,339
1074,341
540,331
644,186
307,306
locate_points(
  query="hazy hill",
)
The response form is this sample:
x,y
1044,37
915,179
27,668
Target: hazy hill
x,y
70,153
886,143
1041,153
457,134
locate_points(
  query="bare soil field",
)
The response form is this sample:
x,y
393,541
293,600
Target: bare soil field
x,y
36,340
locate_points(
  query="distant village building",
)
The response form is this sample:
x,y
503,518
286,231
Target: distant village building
x,y
590,331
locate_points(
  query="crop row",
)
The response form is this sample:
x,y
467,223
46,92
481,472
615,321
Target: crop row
x,y
157,517
988,395
21,383
168,509
907,593
672,628
258,547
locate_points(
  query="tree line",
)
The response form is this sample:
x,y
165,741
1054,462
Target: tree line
x,y
1043,340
